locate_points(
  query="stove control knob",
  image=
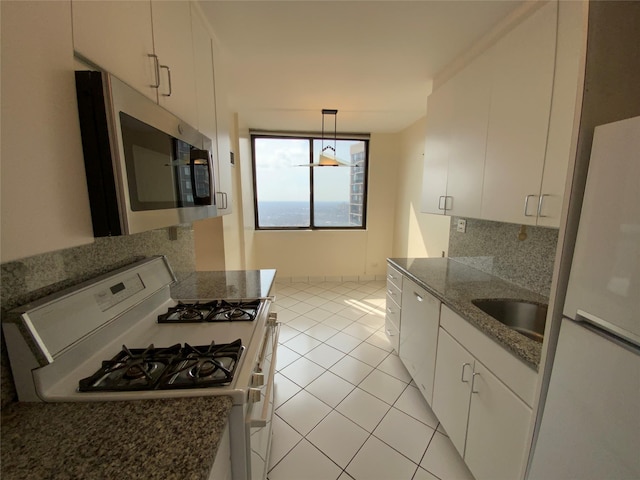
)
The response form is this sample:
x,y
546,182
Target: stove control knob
x,y
255,395
257,379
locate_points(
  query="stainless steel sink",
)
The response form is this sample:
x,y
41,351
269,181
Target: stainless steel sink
x,y
524,317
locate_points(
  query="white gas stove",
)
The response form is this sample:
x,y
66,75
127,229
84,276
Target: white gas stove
x,y
123,337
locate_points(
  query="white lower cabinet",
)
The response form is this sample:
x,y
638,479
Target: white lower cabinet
x,y
419,335
497,443
454,371
486,421
392,314
221,469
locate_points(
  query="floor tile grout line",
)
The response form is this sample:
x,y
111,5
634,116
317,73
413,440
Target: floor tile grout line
x,y
334,409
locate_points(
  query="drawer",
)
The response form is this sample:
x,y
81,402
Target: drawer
x,y
393,333
392,312
394,293
394,276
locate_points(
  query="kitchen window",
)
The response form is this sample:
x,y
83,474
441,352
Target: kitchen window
x,y
291,194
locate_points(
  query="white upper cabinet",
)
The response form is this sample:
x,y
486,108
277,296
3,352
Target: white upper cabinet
x,y
174,47
45,206
224,178
146,44
203,57
457,118
118,37
519,119
565,108
436,152
499,132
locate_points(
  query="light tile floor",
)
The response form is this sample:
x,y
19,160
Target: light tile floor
x,y
346,407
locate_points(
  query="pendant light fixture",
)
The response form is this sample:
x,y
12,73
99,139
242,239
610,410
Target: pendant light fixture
x,y
328,156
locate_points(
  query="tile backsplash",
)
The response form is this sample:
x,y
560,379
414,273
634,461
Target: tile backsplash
x,y
500,249
31,278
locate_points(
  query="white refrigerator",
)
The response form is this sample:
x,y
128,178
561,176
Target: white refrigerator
x,y
590,427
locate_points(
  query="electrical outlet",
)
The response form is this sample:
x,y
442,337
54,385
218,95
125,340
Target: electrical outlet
x,y
462,225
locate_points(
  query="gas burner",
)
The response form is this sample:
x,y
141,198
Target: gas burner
x,y
236,311
204,366
214,311
166,368
191,314
131,369
188,312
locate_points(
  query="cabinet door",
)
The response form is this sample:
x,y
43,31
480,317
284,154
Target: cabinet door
x,y
519,118
452,388
419,335
498,431
224,178
117,36
468,137
436,150
203,59
570,53
174,48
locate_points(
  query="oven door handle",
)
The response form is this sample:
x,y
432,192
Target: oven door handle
x,y
264,417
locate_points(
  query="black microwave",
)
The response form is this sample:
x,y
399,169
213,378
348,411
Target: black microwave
x,y
146,169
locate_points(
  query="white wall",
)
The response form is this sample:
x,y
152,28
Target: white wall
x,y
332,252
415,234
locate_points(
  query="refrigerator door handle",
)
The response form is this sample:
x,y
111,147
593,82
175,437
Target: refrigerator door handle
x,y
606,329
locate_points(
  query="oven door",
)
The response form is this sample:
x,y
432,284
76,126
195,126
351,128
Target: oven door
x,y
260,412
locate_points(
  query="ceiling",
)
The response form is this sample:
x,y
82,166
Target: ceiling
x,y
372,60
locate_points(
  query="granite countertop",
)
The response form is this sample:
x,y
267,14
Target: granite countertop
x,y
160,439
456,284
228,285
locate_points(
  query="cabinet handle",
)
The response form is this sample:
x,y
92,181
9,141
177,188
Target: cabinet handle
x,y
224,204
464,365
526,205
473,382
540,205
440,202
389,310
391,292
390,333
391,277
450,205
156,69
169,78
418,297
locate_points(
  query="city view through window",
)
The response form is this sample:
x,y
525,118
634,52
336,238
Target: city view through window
x,y
290,194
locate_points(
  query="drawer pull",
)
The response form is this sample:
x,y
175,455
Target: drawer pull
x,y
391,292
390,333
418,297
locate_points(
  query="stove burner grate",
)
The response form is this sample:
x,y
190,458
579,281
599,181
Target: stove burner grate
x,y
166,368
215,311
131,369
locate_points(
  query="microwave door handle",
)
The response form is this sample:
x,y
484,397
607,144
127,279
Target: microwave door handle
x,y
201,155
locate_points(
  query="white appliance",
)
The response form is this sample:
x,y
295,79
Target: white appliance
x,y
590,427
68,347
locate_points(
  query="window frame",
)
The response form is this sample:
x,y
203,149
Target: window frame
x,y
310,137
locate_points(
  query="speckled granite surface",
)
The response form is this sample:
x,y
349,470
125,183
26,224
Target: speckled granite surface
x,y
167,439
238,284
495,248
456,284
